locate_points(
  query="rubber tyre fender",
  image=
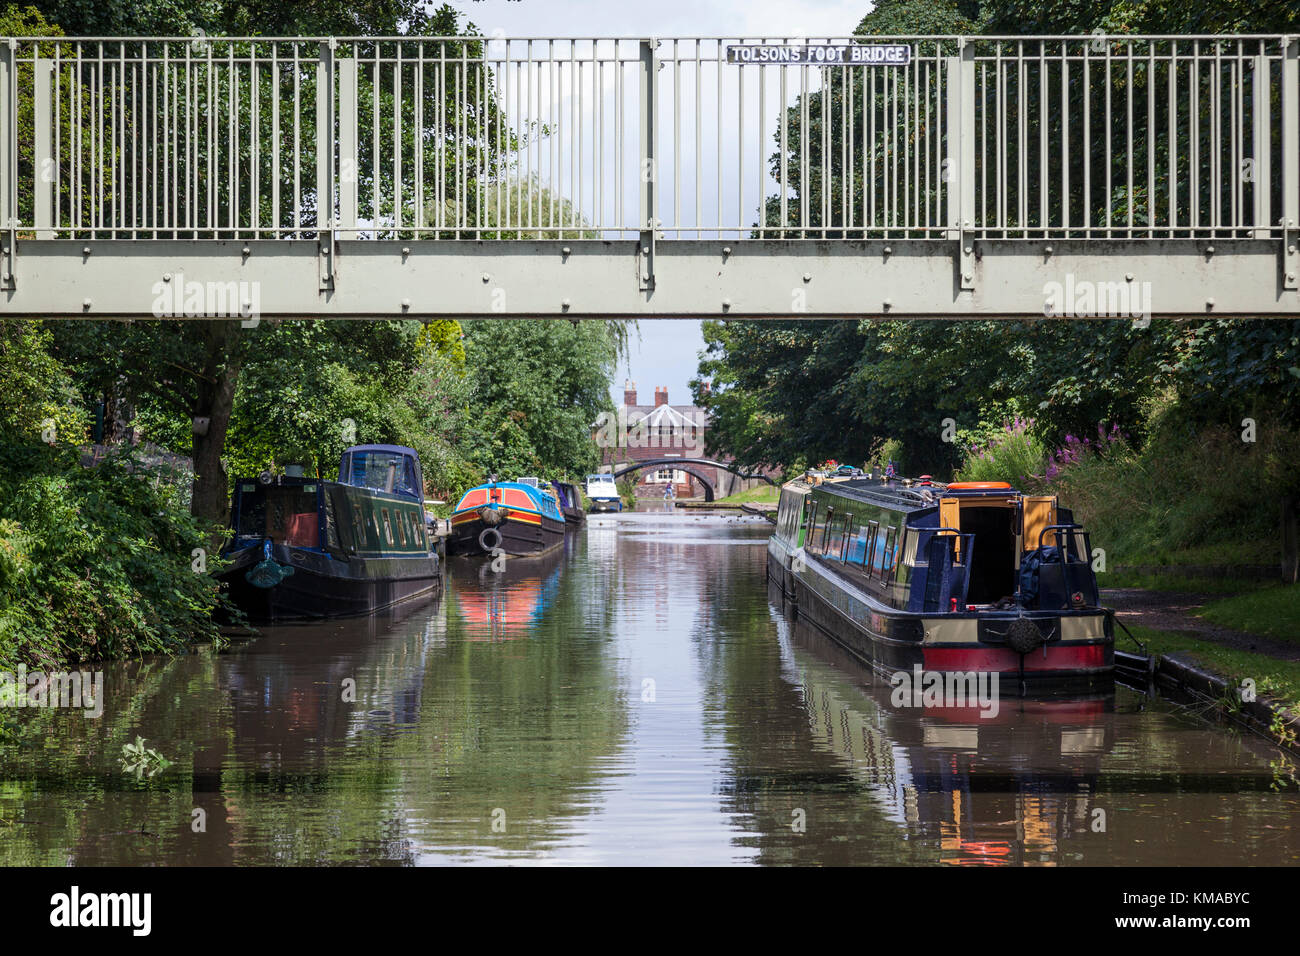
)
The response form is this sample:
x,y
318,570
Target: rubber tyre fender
x,y
489,539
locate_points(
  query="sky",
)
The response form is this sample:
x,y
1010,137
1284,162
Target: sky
x,y
664,351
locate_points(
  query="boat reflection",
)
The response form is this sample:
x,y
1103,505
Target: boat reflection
x,y
503,599
1010,789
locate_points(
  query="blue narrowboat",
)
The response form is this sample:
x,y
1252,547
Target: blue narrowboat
x,y
570,503
308,548
506,516
959,578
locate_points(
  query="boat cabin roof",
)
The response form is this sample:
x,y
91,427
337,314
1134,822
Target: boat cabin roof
x,y
510,494
393,469
903,494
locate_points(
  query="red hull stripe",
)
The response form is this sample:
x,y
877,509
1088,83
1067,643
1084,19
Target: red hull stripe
x,y
1063,658
523,517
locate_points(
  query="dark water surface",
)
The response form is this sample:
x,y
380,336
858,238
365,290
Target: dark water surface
x,y
636,700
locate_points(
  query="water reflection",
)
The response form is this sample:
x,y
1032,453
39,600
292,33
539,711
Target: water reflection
x,y
504,598
636,699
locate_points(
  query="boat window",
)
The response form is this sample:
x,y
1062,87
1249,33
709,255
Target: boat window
x,y
252,511
869,552
388,526
826,529
382,471
887,556
401,527
810,529
846,535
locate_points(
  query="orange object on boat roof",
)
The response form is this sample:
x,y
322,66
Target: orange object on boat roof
x,y
977,485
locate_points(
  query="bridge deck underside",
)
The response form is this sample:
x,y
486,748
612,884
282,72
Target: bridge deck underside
x,y
692,279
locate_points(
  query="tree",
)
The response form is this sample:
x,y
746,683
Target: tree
x,y
193,367
783,392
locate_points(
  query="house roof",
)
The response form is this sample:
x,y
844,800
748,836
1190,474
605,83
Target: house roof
x,y
658,416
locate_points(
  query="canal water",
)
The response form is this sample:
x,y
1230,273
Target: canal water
x,y
638,699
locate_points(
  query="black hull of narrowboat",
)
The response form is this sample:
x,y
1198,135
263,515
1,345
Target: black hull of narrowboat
x,y
322,586
892,642
574,517
517,538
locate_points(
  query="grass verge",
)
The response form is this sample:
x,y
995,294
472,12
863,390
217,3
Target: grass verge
x,y
763,494
1169,582
1271,611
1280,679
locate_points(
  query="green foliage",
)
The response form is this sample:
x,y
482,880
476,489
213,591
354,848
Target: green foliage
x,y
142,762
1188,487
1010,453
885,451
94,562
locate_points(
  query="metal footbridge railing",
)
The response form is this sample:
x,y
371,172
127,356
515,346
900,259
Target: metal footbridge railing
x,y
1087,176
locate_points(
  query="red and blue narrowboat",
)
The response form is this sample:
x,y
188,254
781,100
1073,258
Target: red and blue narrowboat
x,y
956,578
307,548
506,516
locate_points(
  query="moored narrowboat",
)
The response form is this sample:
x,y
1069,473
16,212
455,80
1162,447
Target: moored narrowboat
x,y
570,499
506,517
307,548
956,578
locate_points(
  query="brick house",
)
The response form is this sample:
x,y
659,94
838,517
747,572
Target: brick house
x,y
643,432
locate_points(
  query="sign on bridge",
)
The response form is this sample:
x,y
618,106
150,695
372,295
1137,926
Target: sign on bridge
x,y
852,54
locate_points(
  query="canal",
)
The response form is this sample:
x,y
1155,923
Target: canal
x,y
638,699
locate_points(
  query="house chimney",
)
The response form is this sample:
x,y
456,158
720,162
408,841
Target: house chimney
x,y
629,392
661,396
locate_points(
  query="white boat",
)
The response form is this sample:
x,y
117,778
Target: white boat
x,y
603,492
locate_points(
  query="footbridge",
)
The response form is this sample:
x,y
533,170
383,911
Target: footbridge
x,y
363,177
692,467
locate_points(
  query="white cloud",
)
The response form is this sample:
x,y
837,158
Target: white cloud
x,y
719,18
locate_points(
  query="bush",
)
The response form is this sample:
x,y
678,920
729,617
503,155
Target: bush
x,y
1011,453
94,562
882,453
1189,495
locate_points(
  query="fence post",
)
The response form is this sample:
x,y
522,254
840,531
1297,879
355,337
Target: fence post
x,y
348,174
961,157
1290,217
43,165
1261,148
8,159
648,206
325,162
